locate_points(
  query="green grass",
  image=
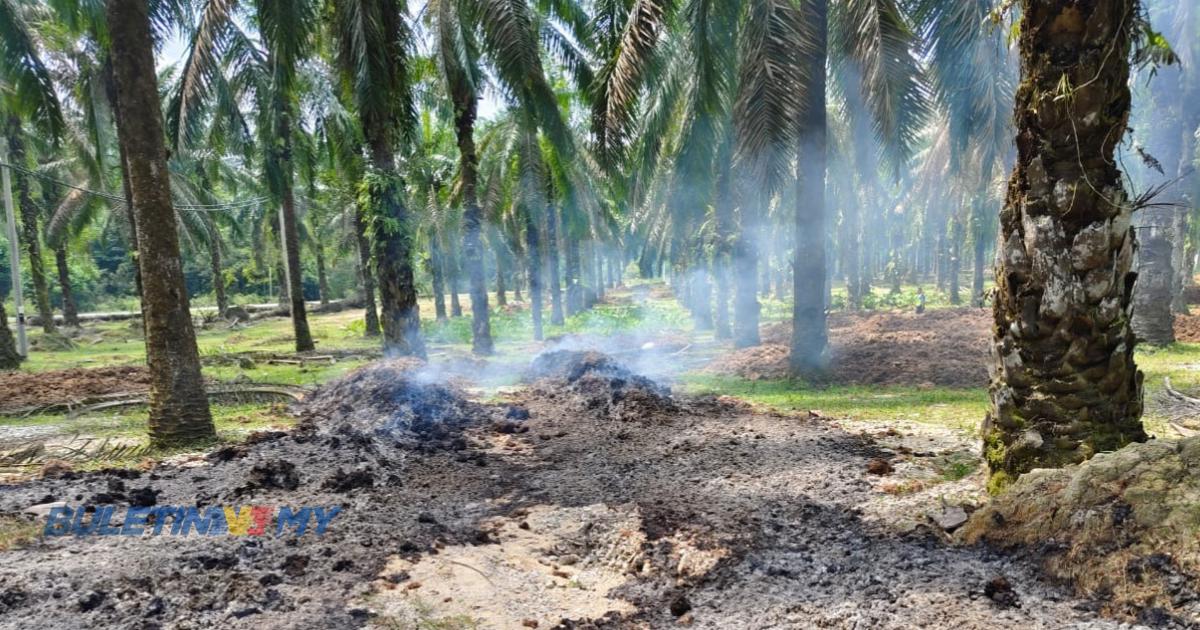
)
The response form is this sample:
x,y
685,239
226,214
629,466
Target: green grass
x,y
120,343
956,408
18,531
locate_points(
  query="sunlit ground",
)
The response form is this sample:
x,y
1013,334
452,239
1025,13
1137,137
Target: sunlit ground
x,y
120,343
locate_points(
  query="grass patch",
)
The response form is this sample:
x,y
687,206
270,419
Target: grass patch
x,y
957,408
18,531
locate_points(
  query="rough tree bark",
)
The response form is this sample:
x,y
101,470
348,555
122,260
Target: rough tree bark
x,y
1065,385
29,225
809,332
481,329
178,405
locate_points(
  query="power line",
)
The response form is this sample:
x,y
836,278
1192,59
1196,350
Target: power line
x,y
215,207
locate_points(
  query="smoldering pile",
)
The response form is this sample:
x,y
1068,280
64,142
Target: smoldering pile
x,y
393,401
601,384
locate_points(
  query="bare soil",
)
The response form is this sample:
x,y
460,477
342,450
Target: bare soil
x,y
19,390
592,498
1187,328
941,347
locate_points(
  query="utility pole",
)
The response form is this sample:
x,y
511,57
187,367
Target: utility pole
x,y
14,253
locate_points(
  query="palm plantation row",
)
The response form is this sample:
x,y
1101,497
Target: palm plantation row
x,y
729,146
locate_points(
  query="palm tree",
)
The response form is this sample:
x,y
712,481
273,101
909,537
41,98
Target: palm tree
x,y
30,232
506,36
267,77
179,411
370,40
1066,386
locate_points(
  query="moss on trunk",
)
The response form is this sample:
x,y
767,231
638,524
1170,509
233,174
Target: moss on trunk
x,y
1065,386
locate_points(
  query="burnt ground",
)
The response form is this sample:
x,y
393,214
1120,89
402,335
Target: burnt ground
x,y
590,498
941,347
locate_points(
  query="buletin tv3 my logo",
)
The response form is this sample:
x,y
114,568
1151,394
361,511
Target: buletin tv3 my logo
x,y
245,520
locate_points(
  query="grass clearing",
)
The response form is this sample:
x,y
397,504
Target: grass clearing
x,y
955,408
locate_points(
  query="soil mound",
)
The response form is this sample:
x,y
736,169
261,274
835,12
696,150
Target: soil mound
x,y
943,347
393,400
33,389
1187,328
1121,527
601,383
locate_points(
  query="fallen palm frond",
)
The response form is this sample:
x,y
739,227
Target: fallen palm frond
x,y
1182,411
78,407
77,449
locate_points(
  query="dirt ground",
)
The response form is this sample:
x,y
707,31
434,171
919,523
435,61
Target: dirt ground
x,y
1187,328
20,390
941,347
590,499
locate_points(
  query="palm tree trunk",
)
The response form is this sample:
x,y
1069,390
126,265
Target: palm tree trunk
x,y
178,405
977,272
10,359
290,233
745,269
322,278
1066,386
281,274
1153,320
393,251
599,273
957,236
552,244
452,270
481,329
534,253
809,332
215,266
574,282
114,103
723,210
853,256
29,226
70,310
501,298
438,276
370,313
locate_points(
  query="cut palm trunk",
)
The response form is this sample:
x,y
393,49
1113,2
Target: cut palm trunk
x,y
1065,385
